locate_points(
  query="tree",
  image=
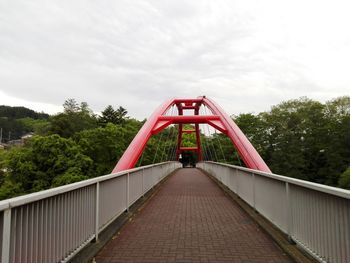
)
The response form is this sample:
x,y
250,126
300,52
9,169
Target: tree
x,y
71,106
344,179
109,115
74,119
121,115
43,163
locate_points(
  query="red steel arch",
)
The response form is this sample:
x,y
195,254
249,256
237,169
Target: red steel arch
x,y
219,120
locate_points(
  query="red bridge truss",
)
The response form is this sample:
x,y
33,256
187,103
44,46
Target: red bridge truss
x,y
218,120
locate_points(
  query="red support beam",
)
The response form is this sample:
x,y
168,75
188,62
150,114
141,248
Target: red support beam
x,y
188,131
188,148
220,120
189,119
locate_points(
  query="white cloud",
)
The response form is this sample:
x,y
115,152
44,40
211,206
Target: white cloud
x,y
245,54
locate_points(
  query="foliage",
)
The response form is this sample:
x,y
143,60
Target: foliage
x,y
74,119
109,115
20,112
302,138
12,126
105,145
43,163
344,179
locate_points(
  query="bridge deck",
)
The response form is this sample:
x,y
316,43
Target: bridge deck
x,y
190,219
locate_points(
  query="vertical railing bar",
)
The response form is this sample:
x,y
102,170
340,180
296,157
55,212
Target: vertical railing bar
x,y
73,220
143,182
338,232
51,228
80,216
127,192
6,236
347,229
19,235
313,222
253,177
92,210
45,238
36,245
31,233
97,210
25,233
289,212
59,228
317,226
237,180
66,220
333,231
42,228
54,228
13,233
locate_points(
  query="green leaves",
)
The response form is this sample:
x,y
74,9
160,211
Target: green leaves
x,y
43,163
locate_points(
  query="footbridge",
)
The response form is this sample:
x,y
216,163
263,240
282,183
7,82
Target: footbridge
x,y
163,212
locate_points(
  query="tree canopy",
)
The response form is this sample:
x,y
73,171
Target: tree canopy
x,y
300,138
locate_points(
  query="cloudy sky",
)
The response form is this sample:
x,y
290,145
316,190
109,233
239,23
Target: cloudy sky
x,y
247,55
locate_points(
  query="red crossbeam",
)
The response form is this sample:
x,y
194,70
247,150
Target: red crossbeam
x,y
188,131
189,119
188,148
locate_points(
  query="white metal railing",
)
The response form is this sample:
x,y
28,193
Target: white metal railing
x,y
53,225
315,216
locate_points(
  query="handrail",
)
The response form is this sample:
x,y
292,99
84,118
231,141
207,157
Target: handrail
x,y
315,216
314,186
28,198
55,224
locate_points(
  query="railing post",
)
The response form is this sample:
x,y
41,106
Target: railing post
x,y
236,172
97,211
143,182
127,193
6,236
253,175
289,213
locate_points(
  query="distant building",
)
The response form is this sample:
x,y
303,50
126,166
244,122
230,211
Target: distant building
x,y
22,141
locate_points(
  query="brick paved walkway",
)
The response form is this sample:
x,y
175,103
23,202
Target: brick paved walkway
x,y
191,220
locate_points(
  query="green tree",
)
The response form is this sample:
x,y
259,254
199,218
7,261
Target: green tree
x,y
109,115
43,163
344,179
74,119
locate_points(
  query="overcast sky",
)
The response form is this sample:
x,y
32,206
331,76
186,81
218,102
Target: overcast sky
x,y
246,55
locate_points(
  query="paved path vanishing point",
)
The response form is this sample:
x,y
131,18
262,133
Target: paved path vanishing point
x,y
190,219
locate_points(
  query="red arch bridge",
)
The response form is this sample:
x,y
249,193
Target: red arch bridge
x,y
162,212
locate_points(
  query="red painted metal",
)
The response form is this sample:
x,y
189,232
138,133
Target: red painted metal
x,y
188,131
189,148
189,119
219,120
245,149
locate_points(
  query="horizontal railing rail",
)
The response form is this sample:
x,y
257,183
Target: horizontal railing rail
x,y
315,216
55,224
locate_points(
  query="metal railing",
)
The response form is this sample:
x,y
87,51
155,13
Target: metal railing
x,y
315,216
55,224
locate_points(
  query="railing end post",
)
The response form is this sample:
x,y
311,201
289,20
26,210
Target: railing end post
x,y
6,236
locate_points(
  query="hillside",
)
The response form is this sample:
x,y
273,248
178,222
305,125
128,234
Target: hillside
x,y
17,121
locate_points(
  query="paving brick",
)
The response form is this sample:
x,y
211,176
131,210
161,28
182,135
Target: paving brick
x,y
191,220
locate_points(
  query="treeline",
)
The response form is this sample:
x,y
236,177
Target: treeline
x,y
300,138
14,121
72,146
